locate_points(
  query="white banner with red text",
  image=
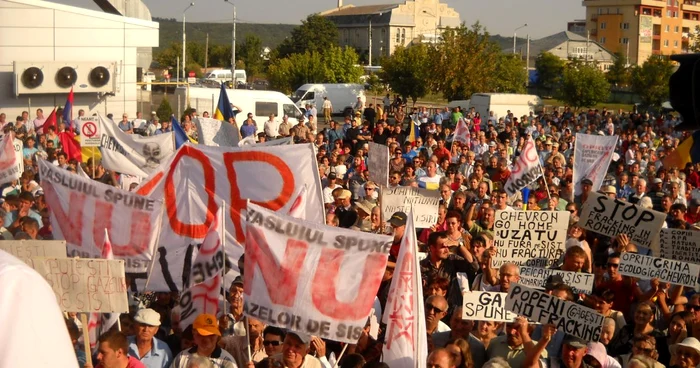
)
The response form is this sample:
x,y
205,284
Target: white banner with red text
x,y
592,156
309,277
200,178
526,169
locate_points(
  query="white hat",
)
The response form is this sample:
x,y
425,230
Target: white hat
x,y
600,132
492,144
642,145
688,342
147,316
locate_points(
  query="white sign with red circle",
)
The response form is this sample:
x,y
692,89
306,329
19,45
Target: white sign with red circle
x,y
89,132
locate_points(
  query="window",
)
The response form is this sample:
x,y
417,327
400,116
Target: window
x,y
403,36
668,13
675,14
266,108
398,35
290,110
345,37
603,25
675,29
625,26
602,40
600,11
675,44
665,43
618,11
667,29
624,40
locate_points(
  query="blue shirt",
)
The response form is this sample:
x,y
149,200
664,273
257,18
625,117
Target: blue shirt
x,y
248,130
158,357
12,216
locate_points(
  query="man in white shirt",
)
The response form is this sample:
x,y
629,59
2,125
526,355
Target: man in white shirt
x,y
271,131
431,180
39,121
328,190
327,109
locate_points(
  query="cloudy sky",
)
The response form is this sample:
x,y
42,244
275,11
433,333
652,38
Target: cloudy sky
x,y
544,17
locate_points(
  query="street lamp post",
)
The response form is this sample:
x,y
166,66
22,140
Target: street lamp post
x,y
514,34
184,39
233,45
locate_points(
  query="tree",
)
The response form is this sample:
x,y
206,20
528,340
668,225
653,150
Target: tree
x,y
251,54
220,55
619,72
164,110
459,74
510,75
194,67
341,65
583,85
549,69
650,80
408,71
695,40
316,33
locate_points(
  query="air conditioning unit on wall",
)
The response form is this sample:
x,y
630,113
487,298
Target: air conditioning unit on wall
x,y
43,77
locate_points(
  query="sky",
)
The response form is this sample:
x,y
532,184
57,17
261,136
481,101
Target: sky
x,y
544,17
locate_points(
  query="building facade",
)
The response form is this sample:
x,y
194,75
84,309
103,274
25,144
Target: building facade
x,y
641,28
388,26
568,46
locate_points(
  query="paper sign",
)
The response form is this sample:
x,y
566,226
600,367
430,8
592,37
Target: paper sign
x,y
486,306
666,270
526,169
425,204
85,285
569,317
680,245
27,249
212,132
373,325
581,282
530,238
604,215
592,156
378,163
90,134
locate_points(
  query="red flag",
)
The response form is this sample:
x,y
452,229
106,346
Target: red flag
x,y
70,146
107,247
298,208
50,121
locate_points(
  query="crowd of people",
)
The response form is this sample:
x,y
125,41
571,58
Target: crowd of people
x,y
647,323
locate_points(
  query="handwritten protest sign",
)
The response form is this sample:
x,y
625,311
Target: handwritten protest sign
x,y
378,163
311,278
569,317
610,217
486,306
581,283
666,270
212,132
85,285
680,245
530,238
592,156
425,204
28,249
526,169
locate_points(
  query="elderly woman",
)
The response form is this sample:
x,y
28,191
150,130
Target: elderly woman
x,y
643,325
686,354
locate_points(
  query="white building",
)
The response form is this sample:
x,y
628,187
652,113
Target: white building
x,y
45,44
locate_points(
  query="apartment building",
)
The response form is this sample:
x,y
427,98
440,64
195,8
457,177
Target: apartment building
x,y
641,28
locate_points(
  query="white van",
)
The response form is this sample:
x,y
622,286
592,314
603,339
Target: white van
x,y
342,96
500,103
224,75
260,103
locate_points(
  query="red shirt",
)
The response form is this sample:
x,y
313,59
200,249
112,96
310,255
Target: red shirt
x,y
133,363
442,153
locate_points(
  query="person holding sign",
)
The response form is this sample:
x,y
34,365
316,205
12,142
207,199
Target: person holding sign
x,y
514,345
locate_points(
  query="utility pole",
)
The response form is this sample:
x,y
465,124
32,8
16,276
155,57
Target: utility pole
x,y
527,63
206,54
370,41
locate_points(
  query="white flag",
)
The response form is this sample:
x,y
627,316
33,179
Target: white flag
x,y
9,169
210,257
200,298
131,153
406,344
525,170
461,132
212,132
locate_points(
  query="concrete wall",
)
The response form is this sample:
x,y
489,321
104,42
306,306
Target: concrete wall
x,y
34,30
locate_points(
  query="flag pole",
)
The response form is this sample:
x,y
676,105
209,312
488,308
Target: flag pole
x,y
86,339
342,352
546,186
223,249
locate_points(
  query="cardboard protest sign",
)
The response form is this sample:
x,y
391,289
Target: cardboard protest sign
x,y
19,152
530,238
199,178
580,282
85,285
311,278
680,245
569,317
526,169
28,249
486,306
425,204
610,217
212,132
666,270
82,208
592,156
378,163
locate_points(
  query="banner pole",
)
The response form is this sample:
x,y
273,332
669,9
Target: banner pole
x,y
342,352
223,250
155,250
247,340
93,162
546,186
382,228
86,339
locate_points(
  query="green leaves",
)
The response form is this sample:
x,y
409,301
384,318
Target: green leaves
x,y
408,71
315,34
650,80
549,69
583,85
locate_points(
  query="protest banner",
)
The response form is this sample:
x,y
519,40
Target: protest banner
x,y
25,250
9,166
604,215
530,238
526,169
131,153
568,317
592,156
666,270
81,209
580,282
309,277
486,306
250,141
461,133
85,285
679,245
199,178
212,132
378,163
425,204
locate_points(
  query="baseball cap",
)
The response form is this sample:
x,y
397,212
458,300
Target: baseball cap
x,y
657,181
587,181
575,342
304,338
553,281
206,325
398,219
147,316
332,176
642,145
492,144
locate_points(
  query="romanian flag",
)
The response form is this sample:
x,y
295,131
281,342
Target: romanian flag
x,y
223,108
180,136
413,133
68,111
688,151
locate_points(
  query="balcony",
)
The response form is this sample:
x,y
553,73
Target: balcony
x,y
691,5
656,52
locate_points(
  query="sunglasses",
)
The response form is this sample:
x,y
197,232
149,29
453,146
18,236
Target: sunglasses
x,y
273,343
369,189
694,308
613,265
430,307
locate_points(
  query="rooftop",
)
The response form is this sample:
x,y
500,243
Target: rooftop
x,y
349,10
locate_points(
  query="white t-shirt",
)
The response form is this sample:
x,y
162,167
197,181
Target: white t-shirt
x,y
35,334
